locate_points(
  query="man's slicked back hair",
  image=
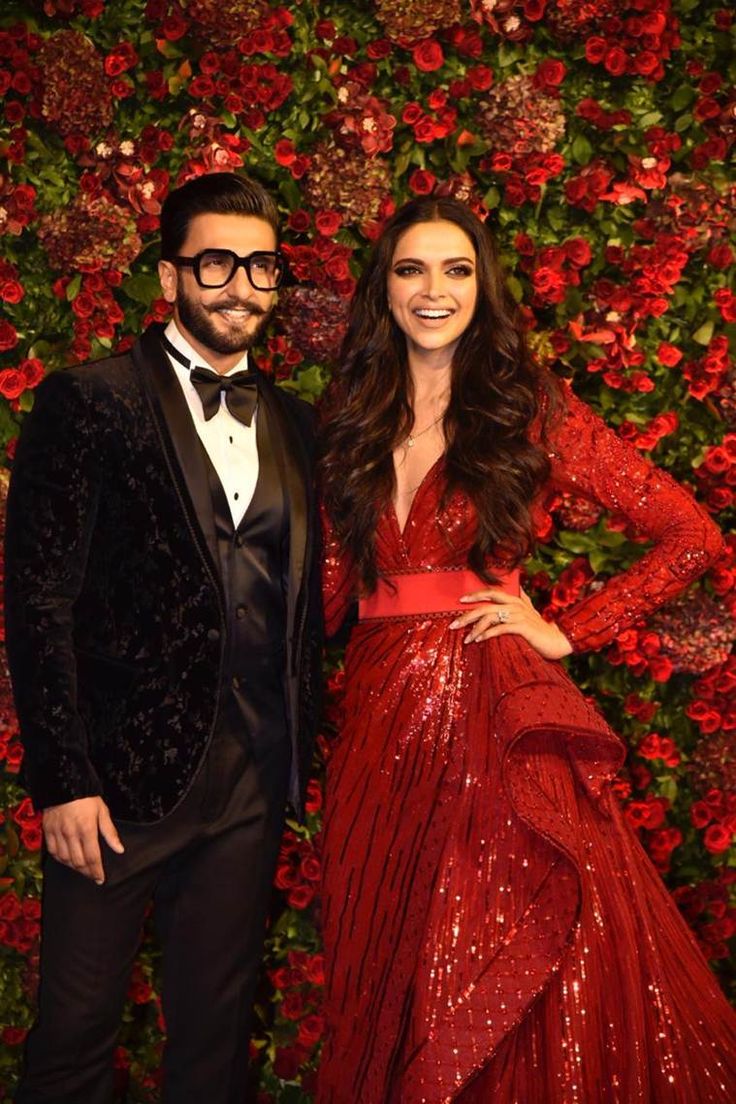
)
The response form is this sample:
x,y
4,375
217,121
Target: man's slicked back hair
x,y
213,194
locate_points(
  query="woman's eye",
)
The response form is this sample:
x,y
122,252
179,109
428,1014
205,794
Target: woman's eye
x,y
406,270
460,270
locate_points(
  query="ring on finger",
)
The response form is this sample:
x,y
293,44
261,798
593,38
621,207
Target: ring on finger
x,y
502,616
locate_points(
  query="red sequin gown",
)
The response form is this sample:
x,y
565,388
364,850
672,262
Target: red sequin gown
x,y
494,932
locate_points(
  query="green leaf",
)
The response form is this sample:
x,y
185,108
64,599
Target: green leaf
x,y
143,288
581,149
683,122
704,333
515,287
72,288
683,97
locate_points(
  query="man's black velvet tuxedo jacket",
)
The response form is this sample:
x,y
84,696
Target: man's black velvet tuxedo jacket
x,y
115,619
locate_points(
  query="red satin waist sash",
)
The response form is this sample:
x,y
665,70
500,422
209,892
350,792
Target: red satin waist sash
x,y
414,593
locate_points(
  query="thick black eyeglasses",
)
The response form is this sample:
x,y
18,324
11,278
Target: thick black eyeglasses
x,y
213,268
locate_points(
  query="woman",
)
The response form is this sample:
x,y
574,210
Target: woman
x,y
494,932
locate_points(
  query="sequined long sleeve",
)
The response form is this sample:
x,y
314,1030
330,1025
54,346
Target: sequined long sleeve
x,y
590,460
338,588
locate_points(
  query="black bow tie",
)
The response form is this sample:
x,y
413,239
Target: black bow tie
x,y
241,393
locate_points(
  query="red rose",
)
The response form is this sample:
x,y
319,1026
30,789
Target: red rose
x,y
422,181
311,1029
14,1036
615,61
379,49
299,221
284,151
12,384
428,55
595,50
11,291
578,252
121,58
669,355
480,77
174,27
550,73
8,336
721,255
717,838
700,814
301,896
328,222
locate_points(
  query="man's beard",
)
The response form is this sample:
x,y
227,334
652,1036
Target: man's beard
x,y
200,325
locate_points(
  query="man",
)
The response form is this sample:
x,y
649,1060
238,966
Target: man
x,y
163,637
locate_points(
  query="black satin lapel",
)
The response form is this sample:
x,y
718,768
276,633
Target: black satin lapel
x,y
179,438
288,451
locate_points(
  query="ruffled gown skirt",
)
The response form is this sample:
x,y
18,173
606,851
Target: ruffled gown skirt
x,y
494,932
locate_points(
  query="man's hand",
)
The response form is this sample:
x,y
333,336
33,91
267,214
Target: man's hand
x,y
73,831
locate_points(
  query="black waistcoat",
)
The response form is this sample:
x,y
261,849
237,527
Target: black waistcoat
x,y
253,560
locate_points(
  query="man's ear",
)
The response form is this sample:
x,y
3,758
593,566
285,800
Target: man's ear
x,y
168,276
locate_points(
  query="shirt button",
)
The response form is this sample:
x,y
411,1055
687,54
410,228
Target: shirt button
x,y
239,541
240,612
236,496
213,634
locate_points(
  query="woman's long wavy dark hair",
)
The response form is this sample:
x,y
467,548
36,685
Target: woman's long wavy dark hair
x,y
496,396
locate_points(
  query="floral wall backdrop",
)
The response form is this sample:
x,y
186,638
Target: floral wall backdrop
x,y
596,135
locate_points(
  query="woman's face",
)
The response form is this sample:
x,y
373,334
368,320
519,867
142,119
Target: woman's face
x,y
433,285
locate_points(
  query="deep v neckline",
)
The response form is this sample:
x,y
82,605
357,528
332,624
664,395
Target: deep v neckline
x,y
401,530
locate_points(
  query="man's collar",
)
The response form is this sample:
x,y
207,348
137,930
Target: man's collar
x,y
180,343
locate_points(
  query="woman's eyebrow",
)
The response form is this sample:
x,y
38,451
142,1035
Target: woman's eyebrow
x,y
445,260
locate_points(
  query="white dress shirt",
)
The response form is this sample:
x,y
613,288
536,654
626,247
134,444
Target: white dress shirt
x,y
230,445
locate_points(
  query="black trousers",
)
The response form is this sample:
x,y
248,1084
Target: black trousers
x,y
208,867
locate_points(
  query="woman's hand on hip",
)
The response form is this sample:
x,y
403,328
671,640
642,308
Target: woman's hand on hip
x,y
501,613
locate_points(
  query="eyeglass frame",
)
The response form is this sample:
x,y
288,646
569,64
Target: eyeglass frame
x,y
237,262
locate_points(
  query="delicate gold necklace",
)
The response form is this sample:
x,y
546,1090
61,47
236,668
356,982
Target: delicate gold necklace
x,y
412,437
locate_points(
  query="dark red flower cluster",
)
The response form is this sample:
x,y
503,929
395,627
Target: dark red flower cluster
x,y
91,234
552,269
122,170
29,824
11,289
435,121
523,176
17,205
76,97
709,911
590,110
298,869
716,813
211,147
15,381
19,921
408,24
510,19
648,436
362,121
708,373
633,39
299,984
576,513
97,312
570,585
280,358
314,321
587,189
324,263
716,476
713,706
640,650
20,78
90,9
249,90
